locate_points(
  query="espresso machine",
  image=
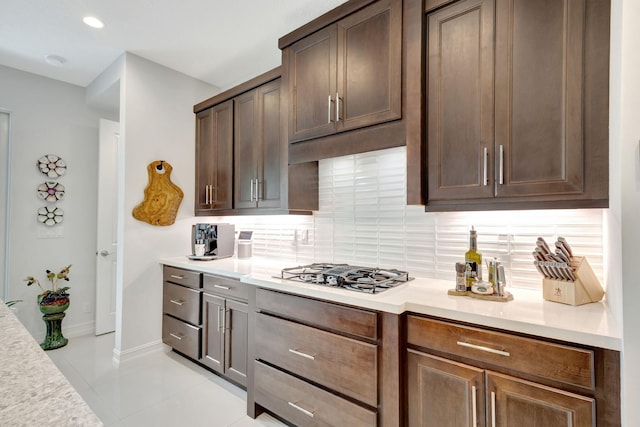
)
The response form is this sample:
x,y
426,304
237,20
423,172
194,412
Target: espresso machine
x,y
212,241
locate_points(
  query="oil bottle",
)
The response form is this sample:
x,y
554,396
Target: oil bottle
x,y
473,260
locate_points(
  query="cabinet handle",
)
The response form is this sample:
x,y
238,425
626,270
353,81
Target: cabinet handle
x,y
329,109
493,409
299,353
251,185
485,155
474,415
337,106
258,196
206,194
177,277
226,288
224,320
177,301
219,322
177,336
501,173
304,411
483,348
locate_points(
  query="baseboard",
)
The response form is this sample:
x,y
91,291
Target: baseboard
x,y
79,330
120,357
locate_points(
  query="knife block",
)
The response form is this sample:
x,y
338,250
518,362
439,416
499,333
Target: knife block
x,y
585,289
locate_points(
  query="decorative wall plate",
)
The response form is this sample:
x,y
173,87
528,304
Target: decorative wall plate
x,y
51,191
50,215
52,166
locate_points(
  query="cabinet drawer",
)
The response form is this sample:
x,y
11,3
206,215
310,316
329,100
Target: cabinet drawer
x,y
181,336
181,302
349,320
342,364
182,277
304,404
231,288
556,362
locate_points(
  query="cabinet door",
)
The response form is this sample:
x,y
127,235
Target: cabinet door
x,y
236,341
460,135
246,148
369,74
213,318
539,96
273,154
444,393
214,159
312,84
515,402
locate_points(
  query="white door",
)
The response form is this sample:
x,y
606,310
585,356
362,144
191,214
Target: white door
x,y
107,240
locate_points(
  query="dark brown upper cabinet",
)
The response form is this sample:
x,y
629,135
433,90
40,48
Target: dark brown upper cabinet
x,y
343,72
241,153
214,159
259,161
515,105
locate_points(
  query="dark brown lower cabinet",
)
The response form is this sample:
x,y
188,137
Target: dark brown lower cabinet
x,y
461,375
224,342
446,393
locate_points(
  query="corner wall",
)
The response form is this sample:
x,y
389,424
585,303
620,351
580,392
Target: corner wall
x,y
157,123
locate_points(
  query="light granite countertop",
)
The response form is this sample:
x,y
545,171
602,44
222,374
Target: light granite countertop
x,y
33,391
589,324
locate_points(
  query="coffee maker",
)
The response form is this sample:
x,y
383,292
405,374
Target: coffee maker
x,y
218,240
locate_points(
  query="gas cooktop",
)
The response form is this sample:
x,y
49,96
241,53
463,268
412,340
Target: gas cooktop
x,y
361,279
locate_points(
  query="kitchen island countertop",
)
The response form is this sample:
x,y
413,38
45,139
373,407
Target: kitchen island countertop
x,y
33,392
589,324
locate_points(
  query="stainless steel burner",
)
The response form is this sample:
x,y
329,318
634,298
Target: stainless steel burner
x,y
361,279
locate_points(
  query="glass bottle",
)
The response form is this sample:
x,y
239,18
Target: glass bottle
x,y
473,260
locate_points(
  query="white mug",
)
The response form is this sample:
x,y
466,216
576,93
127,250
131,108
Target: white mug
x,y
199,248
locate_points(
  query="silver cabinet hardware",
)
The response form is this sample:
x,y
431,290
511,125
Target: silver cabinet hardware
x,y
493,409
329,110
206,194
258,186
251,189
483,348
177,277
304,411
474,409
226,288
337,106
301,354
485,155
104,253
501,172
177,336
220,326
177,301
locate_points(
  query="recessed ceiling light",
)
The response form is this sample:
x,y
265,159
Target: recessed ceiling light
x,y
55,60
92,21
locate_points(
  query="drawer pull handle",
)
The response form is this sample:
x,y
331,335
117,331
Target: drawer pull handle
x,y
483,348
226,288
474,409
493,409
299,353
177,277
177,301
177,336
304,411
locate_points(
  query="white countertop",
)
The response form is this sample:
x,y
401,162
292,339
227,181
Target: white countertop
x,y
33,391
589,324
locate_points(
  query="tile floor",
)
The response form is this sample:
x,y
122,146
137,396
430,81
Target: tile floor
x,y
159,389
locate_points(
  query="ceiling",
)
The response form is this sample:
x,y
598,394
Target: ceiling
x,y
221,42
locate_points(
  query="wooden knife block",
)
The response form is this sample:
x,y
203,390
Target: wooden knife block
x,y
585,289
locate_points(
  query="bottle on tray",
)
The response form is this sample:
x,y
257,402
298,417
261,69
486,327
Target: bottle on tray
x,y
473,260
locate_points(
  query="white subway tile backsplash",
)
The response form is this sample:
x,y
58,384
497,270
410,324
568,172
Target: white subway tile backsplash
x,y
363,219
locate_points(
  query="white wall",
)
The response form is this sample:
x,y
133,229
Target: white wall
x,y
51,117
157,122
625,140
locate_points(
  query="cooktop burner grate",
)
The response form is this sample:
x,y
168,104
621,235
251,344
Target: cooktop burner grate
x,y
345,276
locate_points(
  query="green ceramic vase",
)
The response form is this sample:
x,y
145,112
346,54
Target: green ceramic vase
x,y
53,308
